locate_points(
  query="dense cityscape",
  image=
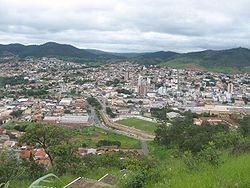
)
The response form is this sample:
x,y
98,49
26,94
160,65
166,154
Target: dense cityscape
x,y
58,92
47,87
124,94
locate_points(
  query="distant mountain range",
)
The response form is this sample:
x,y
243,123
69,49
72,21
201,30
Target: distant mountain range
x,y
231,60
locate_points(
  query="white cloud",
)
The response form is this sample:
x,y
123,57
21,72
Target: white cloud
x,y
128,25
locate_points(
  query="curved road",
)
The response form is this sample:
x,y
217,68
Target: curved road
x,y
94,120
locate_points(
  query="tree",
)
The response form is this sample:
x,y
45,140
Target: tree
x,y
17,113
209,154
110,112
45,136
160,114
124,91
140,171
12,168
9,166
226,140
67,111
186,136
94,102
66,159
245,126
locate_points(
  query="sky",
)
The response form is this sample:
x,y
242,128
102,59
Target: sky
x,y
128,25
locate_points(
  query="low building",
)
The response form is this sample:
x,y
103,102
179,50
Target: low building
x,y
66,120
173,115
65,101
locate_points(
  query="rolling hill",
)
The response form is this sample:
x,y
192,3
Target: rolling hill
x,y
231,60
154,58
46,50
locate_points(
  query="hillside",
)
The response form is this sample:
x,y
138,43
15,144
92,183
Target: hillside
x,y
45,50
232,60
229,61
154,58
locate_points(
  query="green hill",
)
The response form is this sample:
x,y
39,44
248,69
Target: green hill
x,y
232,60
154,58
46,50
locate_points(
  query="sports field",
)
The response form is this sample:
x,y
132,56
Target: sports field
x,y
140,124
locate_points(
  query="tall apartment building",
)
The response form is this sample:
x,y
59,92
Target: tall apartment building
x,y
230,88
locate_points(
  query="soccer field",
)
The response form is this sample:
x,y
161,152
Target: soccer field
x,y
140,124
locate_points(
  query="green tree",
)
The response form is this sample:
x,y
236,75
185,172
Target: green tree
x,y
8,166
187,136
16,113
66,159
46,136
12,168
110,112
209,154
94,102
228,139
245,126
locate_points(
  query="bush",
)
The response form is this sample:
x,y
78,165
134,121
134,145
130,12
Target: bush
x,y
209,154
110,113
241,148
245,126
108,143
94,102
226,140
190,161
186,136
17,113
134,180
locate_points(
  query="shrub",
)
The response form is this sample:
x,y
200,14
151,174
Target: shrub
x,y
209,154
108,143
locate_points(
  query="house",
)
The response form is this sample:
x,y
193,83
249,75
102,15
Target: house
x,y
4,138
173,115
9,144
215,120
25,154
65,101
212,119
91,151
3,131
197,121
40,154
15,132
5,119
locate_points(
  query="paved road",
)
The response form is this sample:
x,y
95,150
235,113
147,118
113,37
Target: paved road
x,y
95,121
144,147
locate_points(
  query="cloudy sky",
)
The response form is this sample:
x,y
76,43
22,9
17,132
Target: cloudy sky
x,y
128,25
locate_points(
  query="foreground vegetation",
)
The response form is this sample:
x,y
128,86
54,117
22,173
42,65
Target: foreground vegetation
x,y
233,171
182,155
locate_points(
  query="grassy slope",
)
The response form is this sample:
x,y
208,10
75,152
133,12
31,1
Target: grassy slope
x,y
91,135
143,125
233,171
58,184
196,64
